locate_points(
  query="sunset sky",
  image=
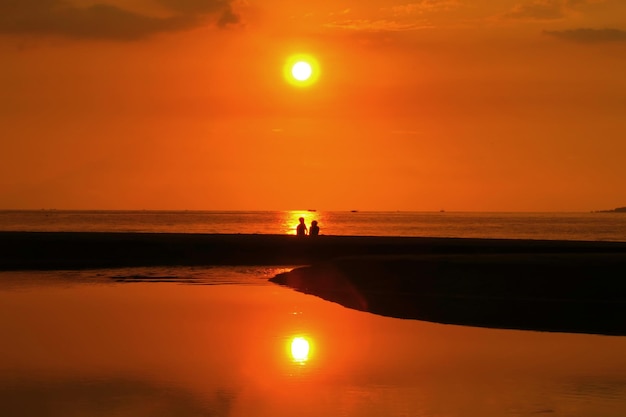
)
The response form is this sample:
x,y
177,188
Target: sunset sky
x,y
462,105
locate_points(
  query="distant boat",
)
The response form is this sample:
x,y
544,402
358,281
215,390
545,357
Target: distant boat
x,y
312,210
354,211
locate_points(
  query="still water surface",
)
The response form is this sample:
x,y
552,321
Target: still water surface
x,y
217,342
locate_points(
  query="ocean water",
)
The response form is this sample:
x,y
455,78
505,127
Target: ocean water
x,y
569,226
225,342
189,342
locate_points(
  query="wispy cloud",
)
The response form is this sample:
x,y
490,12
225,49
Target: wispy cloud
x,y
423,6
546,9
405,17
380,25
104,21
587,35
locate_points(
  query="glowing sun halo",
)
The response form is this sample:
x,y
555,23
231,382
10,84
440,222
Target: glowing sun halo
x,y
301,70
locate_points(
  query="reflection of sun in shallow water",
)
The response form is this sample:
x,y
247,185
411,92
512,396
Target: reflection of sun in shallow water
x,y
290,220
300,348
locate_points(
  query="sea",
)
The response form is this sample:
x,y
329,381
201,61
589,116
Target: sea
x,y
593,226
225,341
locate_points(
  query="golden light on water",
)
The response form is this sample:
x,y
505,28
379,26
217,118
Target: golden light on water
x,y
290,219
300,349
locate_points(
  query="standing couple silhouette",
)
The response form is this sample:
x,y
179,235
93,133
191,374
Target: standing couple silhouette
x,y
302,230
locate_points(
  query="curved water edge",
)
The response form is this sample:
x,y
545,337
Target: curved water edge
x,y
579,293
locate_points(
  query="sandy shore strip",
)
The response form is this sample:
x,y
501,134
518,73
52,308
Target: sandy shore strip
x,y
75,250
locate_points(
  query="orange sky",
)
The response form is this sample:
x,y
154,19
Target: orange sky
x,y
488,105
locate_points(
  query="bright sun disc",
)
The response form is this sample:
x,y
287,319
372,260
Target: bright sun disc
x,y
301,70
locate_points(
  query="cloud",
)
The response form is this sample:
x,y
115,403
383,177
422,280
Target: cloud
x,y
586,35
196,6
399,18
424,6
380,25
538,10
102,21
545,9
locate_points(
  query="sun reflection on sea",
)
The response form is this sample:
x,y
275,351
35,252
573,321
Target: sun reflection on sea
x,y
290,220
300,349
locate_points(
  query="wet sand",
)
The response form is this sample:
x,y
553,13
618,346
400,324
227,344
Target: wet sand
x,y
75,250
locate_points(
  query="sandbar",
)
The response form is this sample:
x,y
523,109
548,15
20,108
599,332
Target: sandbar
x,y
565,292
76,250
572,286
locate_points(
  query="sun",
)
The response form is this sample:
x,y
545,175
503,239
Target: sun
x,y
301,70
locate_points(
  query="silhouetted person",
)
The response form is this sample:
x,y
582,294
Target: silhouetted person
x,y
315,229
301,229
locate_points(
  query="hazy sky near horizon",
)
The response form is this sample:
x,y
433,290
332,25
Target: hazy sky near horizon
x,y
488,105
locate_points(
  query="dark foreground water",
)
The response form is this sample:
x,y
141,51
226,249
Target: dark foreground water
x,y
218,342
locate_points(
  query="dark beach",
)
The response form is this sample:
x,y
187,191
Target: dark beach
x,y
565,292
572,286
76,250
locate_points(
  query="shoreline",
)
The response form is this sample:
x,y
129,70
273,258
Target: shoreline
x,y
84,250
561,292
572,286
